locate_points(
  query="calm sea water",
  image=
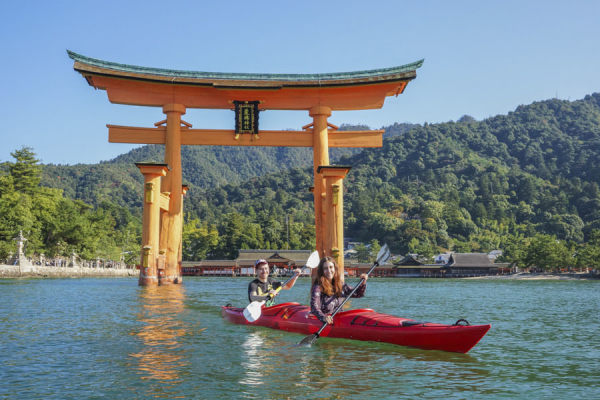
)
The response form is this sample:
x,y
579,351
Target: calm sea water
x,y
108,338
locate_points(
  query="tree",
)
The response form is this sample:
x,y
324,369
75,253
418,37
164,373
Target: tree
x,y
588,254
363,254
199,239
231,239
237,233
565,227
374,248
547,253
25,171
15,216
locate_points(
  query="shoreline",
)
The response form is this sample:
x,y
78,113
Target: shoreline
x,y
535,276
38,271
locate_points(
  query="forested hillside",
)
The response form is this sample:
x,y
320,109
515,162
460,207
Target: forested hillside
x,y
469,183
56,225
204,167
531,176
463,186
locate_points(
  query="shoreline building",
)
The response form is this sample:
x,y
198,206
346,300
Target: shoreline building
x,y
453,265
282,262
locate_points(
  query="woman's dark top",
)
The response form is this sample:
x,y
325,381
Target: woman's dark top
x,y
261,289
322,305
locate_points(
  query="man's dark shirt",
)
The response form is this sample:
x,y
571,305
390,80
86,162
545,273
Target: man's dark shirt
x,y
262,289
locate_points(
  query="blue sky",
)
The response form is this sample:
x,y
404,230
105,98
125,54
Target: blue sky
x,y
482,58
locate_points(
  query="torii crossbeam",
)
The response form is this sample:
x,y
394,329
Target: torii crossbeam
x,y
176,91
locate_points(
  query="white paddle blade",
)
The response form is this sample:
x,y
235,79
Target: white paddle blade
x,y
253,311
313,260
383,255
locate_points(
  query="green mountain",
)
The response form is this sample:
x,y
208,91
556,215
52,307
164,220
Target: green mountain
x,y
466,186
204,167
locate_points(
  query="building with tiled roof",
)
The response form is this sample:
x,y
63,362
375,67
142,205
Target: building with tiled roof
x,y
289,258
281,261
457,265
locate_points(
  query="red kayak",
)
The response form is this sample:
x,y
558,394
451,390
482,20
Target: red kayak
x,y
366,324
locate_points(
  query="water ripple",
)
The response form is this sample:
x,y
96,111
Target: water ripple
x,y
107,338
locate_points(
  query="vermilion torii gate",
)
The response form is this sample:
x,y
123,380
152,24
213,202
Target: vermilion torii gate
x,y
176,91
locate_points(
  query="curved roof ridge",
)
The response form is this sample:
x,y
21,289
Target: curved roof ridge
x,y
271,250
245,76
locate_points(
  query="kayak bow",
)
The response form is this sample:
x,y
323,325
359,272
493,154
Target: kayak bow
x,y
368,325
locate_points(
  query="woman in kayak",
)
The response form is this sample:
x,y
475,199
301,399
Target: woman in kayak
x,y
263,288
329,290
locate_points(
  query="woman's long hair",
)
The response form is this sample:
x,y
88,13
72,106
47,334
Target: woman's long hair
x,y
329,287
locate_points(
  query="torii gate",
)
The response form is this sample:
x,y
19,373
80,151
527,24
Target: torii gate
x,y
176,91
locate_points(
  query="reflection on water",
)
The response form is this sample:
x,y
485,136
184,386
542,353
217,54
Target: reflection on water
x,y
377,367
271,358
161,357
254,363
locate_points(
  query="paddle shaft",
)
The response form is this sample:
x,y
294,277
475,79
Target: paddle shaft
x,y
292,278
288,281
338,308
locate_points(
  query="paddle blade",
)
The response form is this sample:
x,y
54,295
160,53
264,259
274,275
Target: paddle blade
x,y
309,340
313,260
253,311
383,255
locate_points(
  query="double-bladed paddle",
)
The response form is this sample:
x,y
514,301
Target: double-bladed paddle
x,y
382,257
254,310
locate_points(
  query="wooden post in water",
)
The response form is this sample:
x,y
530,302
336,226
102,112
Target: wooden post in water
x,y
151,221
184,190
320,157
333,212
170,238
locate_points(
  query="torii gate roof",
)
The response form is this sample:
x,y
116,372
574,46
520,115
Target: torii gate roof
x,y
136,85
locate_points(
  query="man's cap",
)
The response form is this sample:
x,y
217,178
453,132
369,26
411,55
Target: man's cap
x,y
260,262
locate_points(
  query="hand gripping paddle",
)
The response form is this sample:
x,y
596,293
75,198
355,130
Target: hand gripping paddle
x,y
382,257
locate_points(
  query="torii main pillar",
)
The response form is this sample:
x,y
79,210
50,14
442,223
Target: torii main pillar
x,y
320,157
172,220
176,91
151,221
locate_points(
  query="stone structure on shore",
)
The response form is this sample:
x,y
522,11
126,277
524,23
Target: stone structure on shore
x,y
19,259
19,266
39,271
73,262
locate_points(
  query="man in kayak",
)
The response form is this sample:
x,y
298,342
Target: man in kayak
x,y
329,290
263,288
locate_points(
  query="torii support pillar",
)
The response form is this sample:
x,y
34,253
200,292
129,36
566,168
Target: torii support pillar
x,y
320,158
171,224
333,212
151,221
184,190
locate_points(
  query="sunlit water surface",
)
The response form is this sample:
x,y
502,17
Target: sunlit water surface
x,y
108,338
